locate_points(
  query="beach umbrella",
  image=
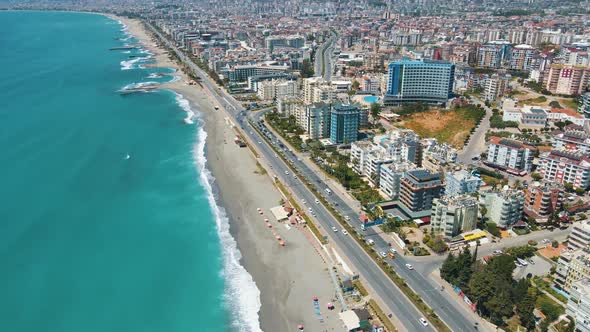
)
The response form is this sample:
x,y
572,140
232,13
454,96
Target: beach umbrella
x,y
300,327
330,306
315,298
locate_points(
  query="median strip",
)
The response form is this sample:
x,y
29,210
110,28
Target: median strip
x,y
385,267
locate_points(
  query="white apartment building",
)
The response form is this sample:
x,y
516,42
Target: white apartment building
x,y
461,182
572,140
451,216
504,208
391,174
579,238
495,86
323,94
277,89
287,106
317,120
509,153
368,158
578,304
560,166
370,83
317,90
401,145
559,114
572,266
527,116
439,153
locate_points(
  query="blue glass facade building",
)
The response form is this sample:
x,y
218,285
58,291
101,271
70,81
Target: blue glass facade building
x,y
344,124
419,81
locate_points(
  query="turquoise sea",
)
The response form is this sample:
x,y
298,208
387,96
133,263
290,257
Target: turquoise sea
x,y
107,220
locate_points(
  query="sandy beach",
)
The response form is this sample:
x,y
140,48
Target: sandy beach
x,y
288,277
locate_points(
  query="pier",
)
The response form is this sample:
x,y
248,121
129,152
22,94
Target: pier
x,y
126,47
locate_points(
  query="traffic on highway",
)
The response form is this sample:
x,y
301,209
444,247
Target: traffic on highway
x,y
269,146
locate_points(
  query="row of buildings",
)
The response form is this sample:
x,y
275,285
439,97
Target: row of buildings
x,y
338,122
567,162
400,165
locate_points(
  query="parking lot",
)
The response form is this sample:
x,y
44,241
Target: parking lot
x,y
537,266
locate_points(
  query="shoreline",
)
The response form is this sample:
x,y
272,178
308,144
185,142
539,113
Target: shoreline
x,y
284,288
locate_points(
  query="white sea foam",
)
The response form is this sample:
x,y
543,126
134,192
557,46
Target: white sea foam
x,y
130,64
184,104
241,294
126,52
139,86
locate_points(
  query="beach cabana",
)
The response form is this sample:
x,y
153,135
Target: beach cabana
x,y
279,213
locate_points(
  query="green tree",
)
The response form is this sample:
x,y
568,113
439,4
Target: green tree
x,y
521,251
501,267
524,309
355,85
500,305
448,270
520,289
438,245
465,263
375,111
492,228
481,289
551,310
307,69
483,211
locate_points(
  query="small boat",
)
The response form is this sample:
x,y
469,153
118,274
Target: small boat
x,y
127,156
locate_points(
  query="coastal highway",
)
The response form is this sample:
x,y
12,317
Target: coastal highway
x,y
393,298
456,315
323,58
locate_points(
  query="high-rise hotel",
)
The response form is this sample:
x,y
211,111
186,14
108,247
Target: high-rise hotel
x,y
419,81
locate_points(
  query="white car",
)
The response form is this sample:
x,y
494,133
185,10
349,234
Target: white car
x,y
317,201
409,266
310,210
347,218
335,229
383,254
498,252
344,232
303,201
393,251
286,172
423,321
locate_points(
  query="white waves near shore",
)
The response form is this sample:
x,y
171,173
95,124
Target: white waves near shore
x,y
128,64
184,104
140,85
241,291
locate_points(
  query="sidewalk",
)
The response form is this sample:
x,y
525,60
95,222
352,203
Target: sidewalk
x,y
483,325
334,185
